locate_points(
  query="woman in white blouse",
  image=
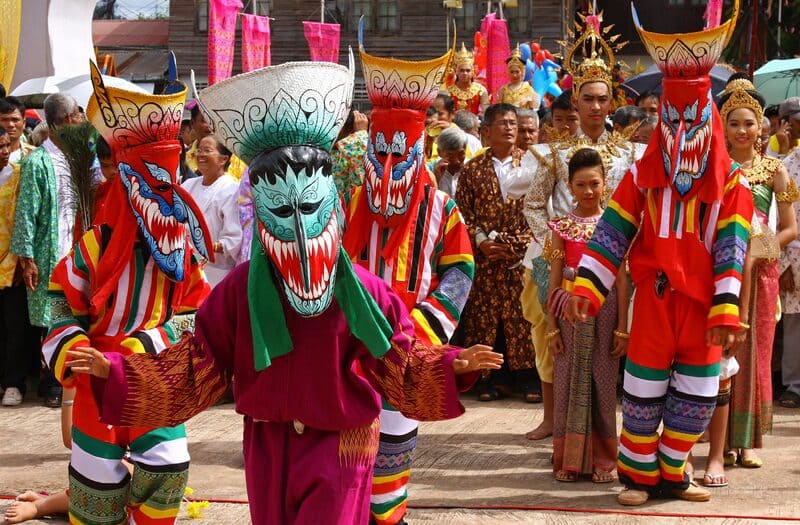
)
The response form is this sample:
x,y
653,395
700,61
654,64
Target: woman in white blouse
x,y
214,191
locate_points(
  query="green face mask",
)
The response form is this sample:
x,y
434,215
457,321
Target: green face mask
x,y
297,222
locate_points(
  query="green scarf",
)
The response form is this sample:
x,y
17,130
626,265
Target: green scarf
x,y
363,315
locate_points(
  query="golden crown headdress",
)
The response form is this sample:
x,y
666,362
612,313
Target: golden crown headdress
x,y
739,96
464,56
515,58
591,56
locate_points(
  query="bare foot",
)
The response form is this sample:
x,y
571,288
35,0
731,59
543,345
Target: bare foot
x,y
542,431
602,476
20,511
30,495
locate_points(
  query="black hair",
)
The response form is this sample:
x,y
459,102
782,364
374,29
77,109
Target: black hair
x,y
2,129
772,111
585,158
624,116
644,95
272,164
563,102
449,105
9,104
739,75
185,123
2,91
431,111
102,149
195,111
545,115
496,110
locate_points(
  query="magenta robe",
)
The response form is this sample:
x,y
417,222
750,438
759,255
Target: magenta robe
x,y
311,429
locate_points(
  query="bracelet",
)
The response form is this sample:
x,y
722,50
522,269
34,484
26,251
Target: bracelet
x,y
67,402
550,335
621,334
744,326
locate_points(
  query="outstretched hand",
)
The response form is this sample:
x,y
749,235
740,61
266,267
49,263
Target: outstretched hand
x,y
477,357
88,360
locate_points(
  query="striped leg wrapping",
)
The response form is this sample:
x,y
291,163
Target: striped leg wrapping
x,y
161,470
398,440
94,503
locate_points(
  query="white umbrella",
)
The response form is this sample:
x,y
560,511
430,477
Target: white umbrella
x,y
80,87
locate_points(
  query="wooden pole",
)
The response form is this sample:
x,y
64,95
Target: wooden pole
x,y
255,7
322,10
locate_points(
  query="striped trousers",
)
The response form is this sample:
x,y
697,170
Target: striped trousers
x,y
671,377
398,440
101,488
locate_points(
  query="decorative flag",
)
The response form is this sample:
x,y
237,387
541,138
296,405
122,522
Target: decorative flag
x,y
9,39
713,14
255,42
323,41
221,38
498,49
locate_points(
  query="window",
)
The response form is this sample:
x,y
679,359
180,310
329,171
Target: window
x,y
379,15
468,18
201,13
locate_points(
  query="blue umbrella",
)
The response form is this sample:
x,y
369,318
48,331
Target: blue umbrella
x,y
778,80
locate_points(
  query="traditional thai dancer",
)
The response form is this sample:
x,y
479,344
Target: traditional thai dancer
x,y
689,208
405,231
129,286
750,391
585,354
466,93
313,342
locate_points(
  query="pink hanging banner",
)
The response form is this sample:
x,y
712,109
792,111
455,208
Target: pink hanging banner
x,y
221,38
255,42
323,41
498,49
713,14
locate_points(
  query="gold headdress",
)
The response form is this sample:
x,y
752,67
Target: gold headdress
x,y
515,58
464,56
591,57
739,97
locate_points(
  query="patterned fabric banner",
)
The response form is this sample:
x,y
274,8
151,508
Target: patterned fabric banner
x,y
221,38
9,39
255,43
498,50
323,41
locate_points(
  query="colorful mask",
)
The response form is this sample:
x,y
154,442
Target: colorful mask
x,y
142,131
401,92
689,141
283,121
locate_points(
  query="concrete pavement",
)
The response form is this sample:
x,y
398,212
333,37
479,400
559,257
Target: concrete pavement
x,y
478,460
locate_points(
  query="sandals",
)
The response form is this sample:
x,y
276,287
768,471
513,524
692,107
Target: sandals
x,y
730,458
715,480
532,397
789,399
566,476
602,476
489,393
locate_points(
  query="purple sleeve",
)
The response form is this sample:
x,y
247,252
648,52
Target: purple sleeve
x,y
171,387
246,215
417,380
